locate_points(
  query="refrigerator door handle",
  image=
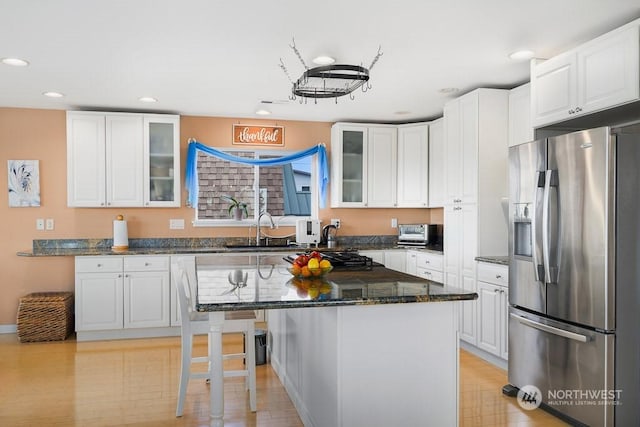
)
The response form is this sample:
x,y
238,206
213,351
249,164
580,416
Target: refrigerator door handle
x,y
550,329
534,229
546,231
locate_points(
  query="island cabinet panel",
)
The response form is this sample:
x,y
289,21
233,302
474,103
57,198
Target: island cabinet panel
x,y
368,365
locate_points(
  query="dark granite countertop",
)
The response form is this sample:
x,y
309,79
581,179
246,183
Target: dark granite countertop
x,y
503,260
251,282
170,246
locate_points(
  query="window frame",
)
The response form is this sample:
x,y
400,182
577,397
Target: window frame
x,y
285,220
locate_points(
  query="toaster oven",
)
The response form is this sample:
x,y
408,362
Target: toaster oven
x,y
417,234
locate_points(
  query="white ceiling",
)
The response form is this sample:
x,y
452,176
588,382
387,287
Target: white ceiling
x,y
215,58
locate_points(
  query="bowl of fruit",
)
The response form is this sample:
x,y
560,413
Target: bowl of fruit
x,y
312,265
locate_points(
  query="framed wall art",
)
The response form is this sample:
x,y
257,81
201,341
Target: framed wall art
x,y
24,183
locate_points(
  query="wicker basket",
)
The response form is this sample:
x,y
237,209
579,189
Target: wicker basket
x,y
45,316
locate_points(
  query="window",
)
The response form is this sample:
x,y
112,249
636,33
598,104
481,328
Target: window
x,y
283,191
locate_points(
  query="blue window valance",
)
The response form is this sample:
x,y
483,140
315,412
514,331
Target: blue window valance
x,y
191,173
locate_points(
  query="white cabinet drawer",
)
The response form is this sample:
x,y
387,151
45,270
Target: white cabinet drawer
x,y
430,261
493,273
97,264
146,263
436,276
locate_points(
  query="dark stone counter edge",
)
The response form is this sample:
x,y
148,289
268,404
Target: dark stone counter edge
x,y
502,260
99,247
267,305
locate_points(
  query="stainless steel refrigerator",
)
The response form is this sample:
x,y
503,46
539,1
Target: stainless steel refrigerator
x,y
574,273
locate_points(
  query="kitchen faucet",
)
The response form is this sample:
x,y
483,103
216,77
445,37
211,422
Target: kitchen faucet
x,y
263,213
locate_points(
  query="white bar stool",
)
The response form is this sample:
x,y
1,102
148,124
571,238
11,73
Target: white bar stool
x,y
196,323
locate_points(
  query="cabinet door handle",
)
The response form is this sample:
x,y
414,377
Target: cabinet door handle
x,y
147,264
578,109
99,265
572,111
427,261
498,276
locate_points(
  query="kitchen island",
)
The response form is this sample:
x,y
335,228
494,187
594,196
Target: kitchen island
x,y
359,347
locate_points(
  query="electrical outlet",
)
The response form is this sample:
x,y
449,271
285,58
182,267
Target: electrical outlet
x,y
176,224
49,224
394,222
336,222
39,224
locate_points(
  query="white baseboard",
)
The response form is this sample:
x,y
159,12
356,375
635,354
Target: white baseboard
x,y
8,329
494,360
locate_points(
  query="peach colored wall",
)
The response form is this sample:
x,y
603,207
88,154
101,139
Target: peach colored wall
x,y
27,134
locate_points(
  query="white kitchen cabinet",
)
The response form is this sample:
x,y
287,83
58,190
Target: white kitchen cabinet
x,y
375,255
413,166
460,250
146,291
99,301
115,293
475,223
461,149
600,74
395,259
493,300
520,129
124,148
364,163
436,164
122,160
430,266
411,263
161,160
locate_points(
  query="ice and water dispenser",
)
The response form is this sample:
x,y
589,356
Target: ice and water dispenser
x,y
522,238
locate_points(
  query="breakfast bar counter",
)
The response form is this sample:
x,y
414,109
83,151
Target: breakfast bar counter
x,y
357,347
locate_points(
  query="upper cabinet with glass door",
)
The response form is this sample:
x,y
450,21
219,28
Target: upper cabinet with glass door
x,y
357,151
349,158
161,160
122,159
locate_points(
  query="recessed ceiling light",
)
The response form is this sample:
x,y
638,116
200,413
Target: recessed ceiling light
x,y
402,112
323,60
263,112
147,99
53,94
448,90
16,62
521,55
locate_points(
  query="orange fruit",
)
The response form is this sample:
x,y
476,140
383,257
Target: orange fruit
x,y
295,270
304,271
324,264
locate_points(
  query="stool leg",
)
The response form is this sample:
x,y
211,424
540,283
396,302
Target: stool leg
x,y
251,363
185,370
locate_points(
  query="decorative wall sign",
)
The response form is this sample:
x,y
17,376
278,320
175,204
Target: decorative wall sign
x,y
258,135
24,183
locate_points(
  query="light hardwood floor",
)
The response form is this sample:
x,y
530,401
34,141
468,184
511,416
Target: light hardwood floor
x,y
134,383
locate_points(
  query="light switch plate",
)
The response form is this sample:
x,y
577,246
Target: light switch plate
x,y
39,224
394,222
336,222
176,224
49,224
